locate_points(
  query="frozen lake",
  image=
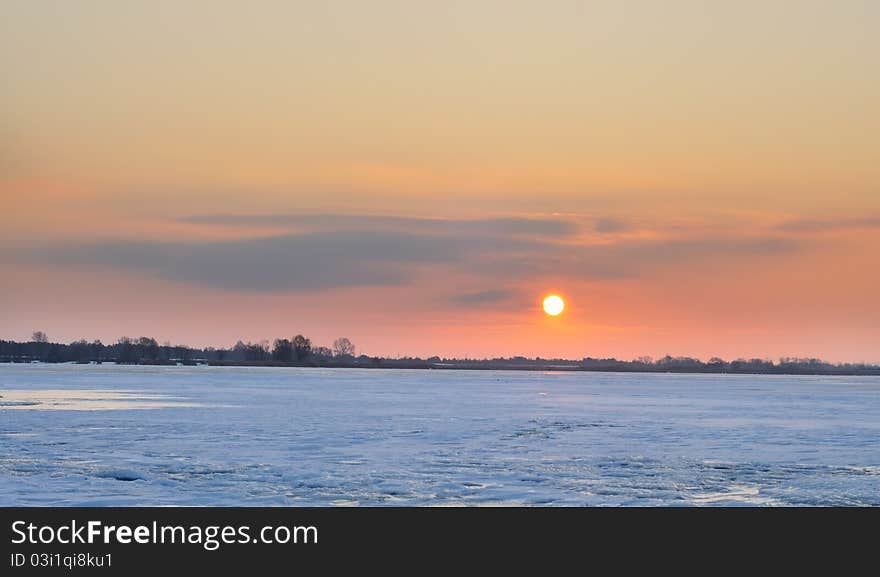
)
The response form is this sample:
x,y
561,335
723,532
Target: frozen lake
x,y
114,435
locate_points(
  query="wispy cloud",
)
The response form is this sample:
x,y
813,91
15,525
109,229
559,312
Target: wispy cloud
x,y
315,260
630,258
536,226
483,297
804,225
335,251
608,225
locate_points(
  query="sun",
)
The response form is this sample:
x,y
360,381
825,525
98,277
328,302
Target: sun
x,y
553,305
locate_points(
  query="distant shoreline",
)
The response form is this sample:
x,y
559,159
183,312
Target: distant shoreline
x,y
300,352
490,366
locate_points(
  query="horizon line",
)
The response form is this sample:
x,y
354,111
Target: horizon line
x,y
641,359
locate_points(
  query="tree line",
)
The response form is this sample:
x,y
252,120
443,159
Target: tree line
x,y
299,350
146,350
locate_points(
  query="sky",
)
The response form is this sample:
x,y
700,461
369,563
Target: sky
x,y
694,178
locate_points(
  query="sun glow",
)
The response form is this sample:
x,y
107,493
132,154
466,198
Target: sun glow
x,y
553,305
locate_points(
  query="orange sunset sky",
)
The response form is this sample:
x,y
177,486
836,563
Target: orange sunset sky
x,y
694,178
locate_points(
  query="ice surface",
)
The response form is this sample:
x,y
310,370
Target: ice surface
x,y
119,435
83,400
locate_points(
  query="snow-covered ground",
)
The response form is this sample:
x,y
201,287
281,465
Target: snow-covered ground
x,y
275,436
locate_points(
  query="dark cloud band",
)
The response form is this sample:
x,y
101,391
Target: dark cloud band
x,y
393,251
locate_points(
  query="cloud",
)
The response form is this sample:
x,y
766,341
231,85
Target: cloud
x,y
287,262
629,258
549,227
483,297
315,260
691,249
608,225
823,225
331,252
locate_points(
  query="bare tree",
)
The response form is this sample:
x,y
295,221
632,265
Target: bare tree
x,y
302,347
283,350
343,347
39,337
322,352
